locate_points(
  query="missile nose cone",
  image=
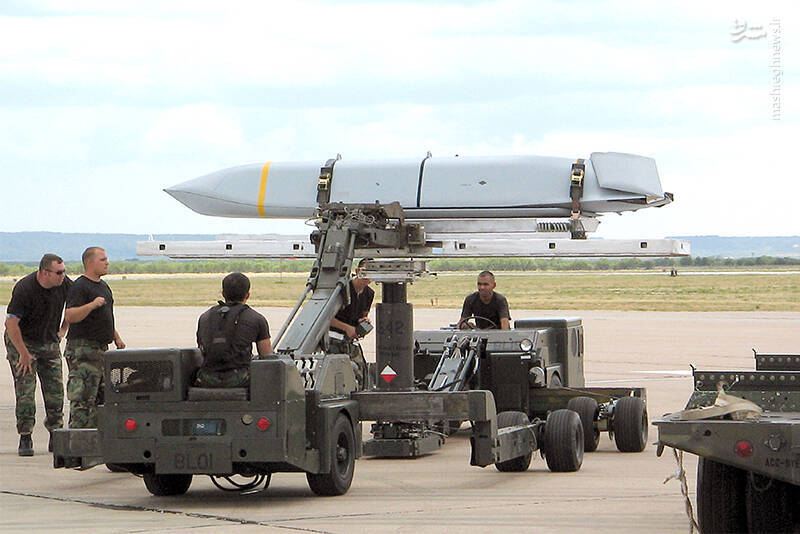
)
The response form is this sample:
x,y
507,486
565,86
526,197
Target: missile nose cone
x,y
215,194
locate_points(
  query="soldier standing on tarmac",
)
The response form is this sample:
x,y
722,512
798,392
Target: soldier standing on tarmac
x,y
90,313
32,336
343,335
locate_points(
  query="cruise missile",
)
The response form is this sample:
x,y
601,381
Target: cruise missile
x,y
432,187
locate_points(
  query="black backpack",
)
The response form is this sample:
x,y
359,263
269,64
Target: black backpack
x,y
218,349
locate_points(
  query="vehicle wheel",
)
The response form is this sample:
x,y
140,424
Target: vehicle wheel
x,y
588,411
630,424
520,463
163,485
563,441
343,461
720,497
115,468
770,504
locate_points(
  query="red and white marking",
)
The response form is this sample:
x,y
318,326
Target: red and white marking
x,y
388,374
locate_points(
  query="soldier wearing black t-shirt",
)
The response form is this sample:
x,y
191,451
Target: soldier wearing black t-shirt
x,y
90,312
343,336
486,304
226,333
33,331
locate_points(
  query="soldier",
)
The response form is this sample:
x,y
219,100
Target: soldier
x,y
226,333
485,304
90,312
32,336
344,332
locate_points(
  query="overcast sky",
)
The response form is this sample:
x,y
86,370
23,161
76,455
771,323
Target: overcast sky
x,y
103,104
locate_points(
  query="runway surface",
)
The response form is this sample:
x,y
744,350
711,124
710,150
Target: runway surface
x,y
613,492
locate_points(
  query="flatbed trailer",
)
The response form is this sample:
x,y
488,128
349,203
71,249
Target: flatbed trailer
x,y
745,427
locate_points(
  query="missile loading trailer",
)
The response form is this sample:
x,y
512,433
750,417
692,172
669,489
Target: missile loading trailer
x,y
301,412
745,427
536,368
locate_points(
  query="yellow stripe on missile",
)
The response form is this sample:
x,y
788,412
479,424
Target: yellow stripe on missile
x,y
263,188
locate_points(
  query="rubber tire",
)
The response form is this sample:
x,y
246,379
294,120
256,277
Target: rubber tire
x,y
343,461
520,463
770,505
563,441
588,411
720,497
630,424
166,485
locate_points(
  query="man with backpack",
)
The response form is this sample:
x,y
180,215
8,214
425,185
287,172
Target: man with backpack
x,y
226,333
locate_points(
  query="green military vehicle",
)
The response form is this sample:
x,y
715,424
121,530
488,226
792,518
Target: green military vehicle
x,y
534,368
302,411
745,427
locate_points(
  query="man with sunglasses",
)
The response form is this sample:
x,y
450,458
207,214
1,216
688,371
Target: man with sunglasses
x,y
90,312
34,328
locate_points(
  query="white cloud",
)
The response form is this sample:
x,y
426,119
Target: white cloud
x,y
104,104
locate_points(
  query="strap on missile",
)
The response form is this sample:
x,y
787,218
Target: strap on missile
x,y
575,193
324,181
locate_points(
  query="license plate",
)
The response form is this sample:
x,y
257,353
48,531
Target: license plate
x,y
207,458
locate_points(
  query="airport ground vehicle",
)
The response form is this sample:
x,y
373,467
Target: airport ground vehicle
x,y
301,412
745,427
534,368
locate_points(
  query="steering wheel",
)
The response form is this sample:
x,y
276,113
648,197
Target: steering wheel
x,y
465,322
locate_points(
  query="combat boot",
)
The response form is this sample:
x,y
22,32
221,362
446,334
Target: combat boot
x,y
25,445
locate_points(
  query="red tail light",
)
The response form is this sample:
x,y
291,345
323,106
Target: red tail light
x,y
130,425
263,423
743,448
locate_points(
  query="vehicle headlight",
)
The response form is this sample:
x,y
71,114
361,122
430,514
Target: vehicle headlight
x,y
526,345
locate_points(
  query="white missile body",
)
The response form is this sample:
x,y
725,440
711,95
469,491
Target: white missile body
x,y
431,188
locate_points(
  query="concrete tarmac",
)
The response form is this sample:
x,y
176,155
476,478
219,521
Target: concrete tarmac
x,y
613,492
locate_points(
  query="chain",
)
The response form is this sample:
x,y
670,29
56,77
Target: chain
x,y
680,474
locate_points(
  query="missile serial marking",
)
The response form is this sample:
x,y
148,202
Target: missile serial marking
x,y
263,188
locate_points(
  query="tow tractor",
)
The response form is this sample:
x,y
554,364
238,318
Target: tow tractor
x,y
745,427
302,411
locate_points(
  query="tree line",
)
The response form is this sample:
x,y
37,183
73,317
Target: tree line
x,y
436,265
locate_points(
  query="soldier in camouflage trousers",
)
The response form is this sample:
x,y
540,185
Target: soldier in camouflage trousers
x,y
90,313
353,349
85,385
34,327
47,366
234,378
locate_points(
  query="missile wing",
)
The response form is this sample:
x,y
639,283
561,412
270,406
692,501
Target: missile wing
x,y
431,188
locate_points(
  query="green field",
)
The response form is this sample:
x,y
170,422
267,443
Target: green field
x,y
552,291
